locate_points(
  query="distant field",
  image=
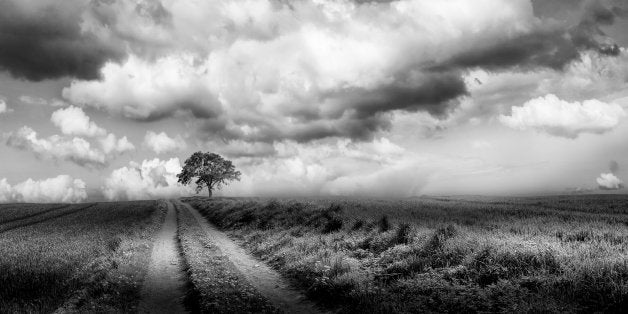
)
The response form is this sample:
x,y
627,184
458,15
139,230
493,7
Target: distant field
x,y
83,257
555,254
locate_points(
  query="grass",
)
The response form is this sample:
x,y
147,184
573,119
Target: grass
x,y
74,258
215,284
550,254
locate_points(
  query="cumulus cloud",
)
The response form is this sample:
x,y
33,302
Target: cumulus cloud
x,y
561,118
111,144
149,180
142,89
46,39
608,181
4,108
73,121
75,149
311,70
62,188
161,143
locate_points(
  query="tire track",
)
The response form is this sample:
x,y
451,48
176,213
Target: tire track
x,y
4,222
266,281
20,224
164,286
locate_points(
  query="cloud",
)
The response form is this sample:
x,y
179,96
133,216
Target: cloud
x,y
4,108
161,143
310,70
146,90
336,166
149,180
38,101
73,121
552,45
75,149
608,181
32,100
566,119
72,146
111,144
46,39
62,188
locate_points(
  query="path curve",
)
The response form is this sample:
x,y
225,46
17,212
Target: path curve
x,y
267,281
163,289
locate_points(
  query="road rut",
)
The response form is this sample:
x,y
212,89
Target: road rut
x,y
267,281
164,286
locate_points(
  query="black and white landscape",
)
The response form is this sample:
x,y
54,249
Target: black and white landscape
x,y
238,156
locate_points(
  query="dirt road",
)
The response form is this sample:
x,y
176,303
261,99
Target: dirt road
x,y
163,289
266,280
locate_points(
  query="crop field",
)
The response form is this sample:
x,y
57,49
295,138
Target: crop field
x,y
537,254
79,258
550,254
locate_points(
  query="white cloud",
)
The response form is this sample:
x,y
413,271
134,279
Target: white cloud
x,y
608,181
76,149
143,89
62,188
32,100
73,121
4,108
111,144
151,179
561,118
161,143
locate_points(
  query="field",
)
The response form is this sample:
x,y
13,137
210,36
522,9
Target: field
x,y
560,254
553,254
77,258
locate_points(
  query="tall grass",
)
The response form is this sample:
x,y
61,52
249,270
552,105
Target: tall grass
x,y
447,255
92,258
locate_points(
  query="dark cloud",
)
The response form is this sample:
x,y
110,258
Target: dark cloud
x,y
151,13
551,48
430,92
44,40
354,112
350,125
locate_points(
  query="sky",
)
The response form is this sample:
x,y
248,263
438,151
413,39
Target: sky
x,y
104,100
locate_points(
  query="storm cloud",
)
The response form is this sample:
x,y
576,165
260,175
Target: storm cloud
x,y
44,40
306,71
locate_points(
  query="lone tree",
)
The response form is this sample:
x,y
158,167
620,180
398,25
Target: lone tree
x,y
209,169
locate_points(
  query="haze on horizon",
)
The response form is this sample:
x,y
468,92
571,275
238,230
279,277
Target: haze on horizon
x,y
106,99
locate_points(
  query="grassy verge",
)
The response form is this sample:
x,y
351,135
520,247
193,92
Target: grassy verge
x,y
216,285
447,255
92,260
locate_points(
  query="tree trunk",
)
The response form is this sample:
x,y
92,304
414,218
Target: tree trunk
x,y
210,192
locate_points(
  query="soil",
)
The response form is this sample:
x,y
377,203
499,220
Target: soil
x,y
164,286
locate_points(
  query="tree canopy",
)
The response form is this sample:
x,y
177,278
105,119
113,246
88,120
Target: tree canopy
x,y
210,170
